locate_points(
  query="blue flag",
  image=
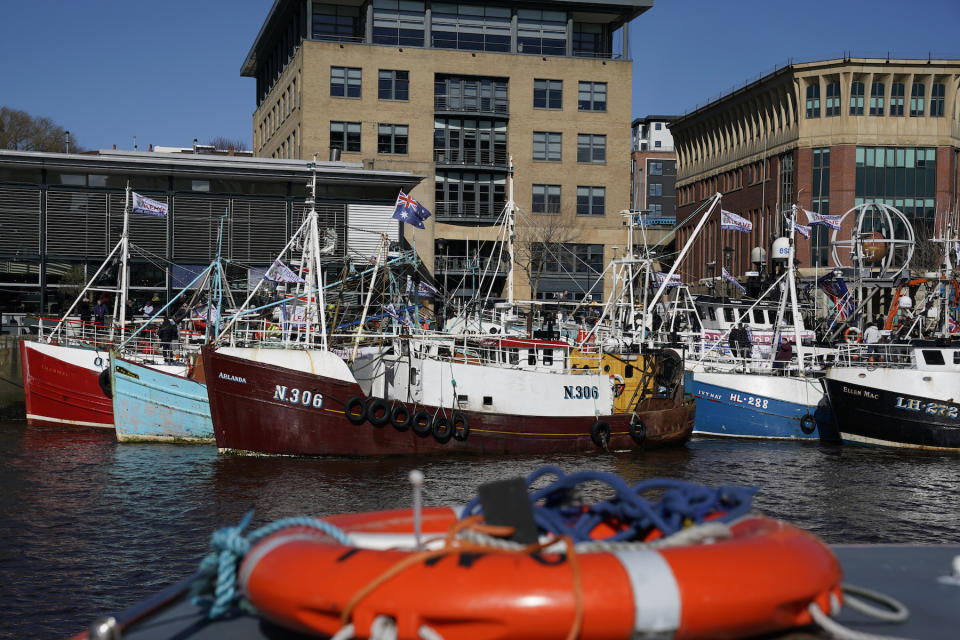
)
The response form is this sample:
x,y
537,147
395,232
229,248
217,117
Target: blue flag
x,y
410,211
842,298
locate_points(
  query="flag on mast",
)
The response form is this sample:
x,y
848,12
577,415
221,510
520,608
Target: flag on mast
x,y
143,204
279,272
410,211
730,221
818,218
726,276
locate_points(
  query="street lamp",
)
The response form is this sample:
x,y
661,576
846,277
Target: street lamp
x,y
711,268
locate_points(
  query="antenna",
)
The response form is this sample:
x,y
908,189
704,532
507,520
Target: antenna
x,y
134,143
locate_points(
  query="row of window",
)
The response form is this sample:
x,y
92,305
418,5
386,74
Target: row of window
x,y
460,26
548,147
877,107
286,104
467,94
289,148
591,201
391,138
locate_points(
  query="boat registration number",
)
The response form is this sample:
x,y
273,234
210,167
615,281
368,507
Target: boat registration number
x,y
753,401
300,397
576,392
930,408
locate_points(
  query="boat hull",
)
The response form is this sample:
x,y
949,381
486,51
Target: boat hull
x,y
154,405
874,413
251,415
760,406
61,386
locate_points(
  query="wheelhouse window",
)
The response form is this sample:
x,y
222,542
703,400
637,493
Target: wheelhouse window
x,y
392,138
393,84
345,136
591,201
345,82
592,96
398,22
547,94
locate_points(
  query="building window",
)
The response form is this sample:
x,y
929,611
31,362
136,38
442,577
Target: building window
x,y
473,142
469,195
656,210
336,22
590,40
656,143
592,96
917,94
833,99
345,82
786,181
392,138
590,201
591,148
548,94
470,93
469,27
856,99
936,99
877,91
546,198
655,168
902,177
345,135
546,146
896,99
394,84
813,101
542,32
657,126
820,241
398,22
655,189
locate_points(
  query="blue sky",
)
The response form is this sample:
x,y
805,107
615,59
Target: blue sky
x,y
168,71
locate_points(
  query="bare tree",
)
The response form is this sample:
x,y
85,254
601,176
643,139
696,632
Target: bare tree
x,y
22,132
222,143
927,254
542,240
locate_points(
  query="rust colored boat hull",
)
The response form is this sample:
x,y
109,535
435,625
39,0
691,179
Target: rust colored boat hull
x,y
250,415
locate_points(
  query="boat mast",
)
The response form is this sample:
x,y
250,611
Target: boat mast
x,y
124,258
511,234
792,284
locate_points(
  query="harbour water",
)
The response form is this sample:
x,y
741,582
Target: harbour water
x,y
90,526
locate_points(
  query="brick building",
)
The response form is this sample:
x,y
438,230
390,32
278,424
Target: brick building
x,y
825,135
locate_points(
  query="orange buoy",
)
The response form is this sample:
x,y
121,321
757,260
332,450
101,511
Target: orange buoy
x,y
759,580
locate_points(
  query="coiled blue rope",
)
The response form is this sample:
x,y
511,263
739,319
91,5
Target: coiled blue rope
x,y
682,503
229,548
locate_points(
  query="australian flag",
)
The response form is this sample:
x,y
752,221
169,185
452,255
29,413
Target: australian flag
x,y
410,211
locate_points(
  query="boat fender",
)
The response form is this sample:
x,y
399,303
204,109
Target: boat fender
x,y
638,430
808,424
600,433
442,429
422,423
98,362
851,335
104,380
461,427
400,417
618,384
355,411
378,412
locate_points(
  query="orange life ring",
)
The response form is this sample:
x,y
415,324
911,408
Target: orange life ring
x,y
851,335
760,580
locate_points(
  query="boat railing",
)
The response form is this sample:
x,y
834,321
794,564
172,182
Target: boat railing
x,y
884,355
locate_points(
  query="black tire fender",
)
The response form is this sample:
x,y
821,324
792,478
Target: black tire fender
x,y
638,430
400,417
355,410
422,423
808,424
104,380
600,433
442,429
378,412
461,427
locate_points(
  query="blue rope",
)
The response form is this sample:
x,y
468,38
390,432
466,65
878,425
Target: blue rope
x,y
229,548
682,503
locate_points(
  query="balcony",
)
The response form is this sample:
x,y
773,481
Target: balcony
x,y
472,158
456,212
457,265
482,106
656,221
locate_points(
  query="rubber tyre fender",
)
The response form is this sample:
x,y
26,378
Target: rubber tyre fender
x,y
600,433
422,423
461,427
378,412
400,417
355,402
104,380
808,424
638,430
442,429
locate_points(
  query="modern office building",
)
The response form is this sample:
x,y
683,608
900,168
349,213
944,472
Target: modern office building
x,y
62,214
653,171
825,135
454,91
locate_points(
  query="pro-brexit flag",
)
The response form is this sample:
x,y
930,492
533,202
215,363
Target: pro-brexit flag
x,y
143,204
822,219
836,288
410,211
730,221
